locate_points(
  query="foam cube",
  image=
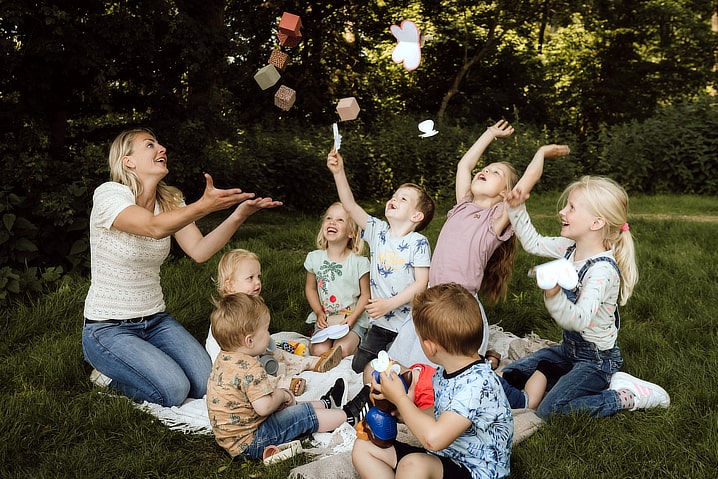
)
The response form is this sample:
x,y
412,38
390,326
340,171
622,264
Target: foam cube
x,y
290,24
348,108
289,41
267,76
285,98
279,59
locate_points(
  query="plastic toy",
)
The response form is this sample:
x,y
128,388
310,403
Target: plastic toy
x,y
379,426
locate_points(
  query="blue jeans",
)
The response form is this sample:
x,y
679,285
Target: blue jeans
x,y
283,426
583,387
156,360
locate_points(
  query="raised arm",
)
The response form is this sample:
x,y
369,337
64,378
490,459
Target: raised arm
x,y
534,170
143,222
200,248
471,158
335,163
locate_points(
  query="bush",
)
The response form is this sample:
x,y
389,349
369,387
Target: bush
x,y
47,198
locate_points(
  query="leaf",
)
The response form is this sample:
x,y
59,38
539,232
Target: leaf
x,y
24,244
9,220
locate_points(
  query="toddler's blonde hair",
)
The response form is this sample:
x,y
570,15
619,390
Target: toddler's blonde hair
x,y
235,316
228,265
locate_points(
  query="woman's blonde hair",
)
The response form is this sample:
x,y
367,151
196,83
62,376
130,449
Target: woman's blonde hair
x,y
236,316
609,201
355,243
168,197
497,273
228,265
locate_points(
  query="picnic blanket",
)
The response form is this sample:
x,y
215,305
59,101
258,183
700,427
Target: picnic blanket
x,y
332,451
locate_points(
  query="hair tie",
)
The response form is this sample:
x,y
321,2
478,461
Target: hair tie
x,y
625,227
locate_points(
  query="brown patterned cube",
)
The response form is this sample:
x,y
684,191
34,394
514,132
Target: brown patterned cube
x,y
285,98
289,41
279,59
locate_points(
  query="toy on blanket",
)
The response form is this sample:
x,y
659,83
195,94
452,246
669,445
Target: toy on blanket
x,y
379,426
294,347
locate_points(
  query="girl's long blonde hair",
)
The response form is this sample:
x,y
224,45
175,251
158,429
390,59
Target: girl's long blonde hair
x,y
609,201
355,243
497,273
168,197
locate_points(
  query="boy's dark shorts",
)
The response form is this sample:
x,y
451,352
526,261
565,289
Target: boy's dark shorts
x,y
376,339
452,470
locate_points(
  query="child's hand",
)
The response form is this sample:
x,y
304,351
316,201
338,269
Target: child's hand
x,y
289,399
335,162
322,320
376,308
516,197
391,386
554,151
501,129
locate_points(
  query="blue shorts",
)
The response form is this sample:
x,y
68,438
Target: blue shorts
x,y
283,426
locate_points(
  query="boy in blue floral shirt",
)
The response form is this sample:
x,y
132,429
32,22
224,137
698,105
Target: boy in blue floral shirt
x,y
400,259
470,433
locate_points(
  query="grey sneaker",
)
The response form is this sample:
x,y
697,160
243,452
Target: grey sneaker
x,y
99,379
646,395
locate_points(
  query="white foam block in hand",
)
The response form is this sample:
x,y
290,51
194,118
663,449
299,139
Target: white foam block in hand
x,y
560,271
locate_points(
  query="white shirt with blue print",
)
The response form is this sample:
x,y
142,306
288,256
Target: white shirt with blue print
x,y
393,260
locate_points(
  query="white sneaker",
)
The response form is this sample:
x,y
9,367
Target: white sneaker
x,y
99,379
645,394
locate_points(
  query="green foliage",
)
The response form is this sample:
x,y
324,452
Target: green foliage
x,y
672,152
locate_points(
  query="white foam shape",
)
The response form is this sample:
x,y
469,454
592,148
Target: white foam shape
x,y
335,331
381,362
408,49
337,137
427,128
558,272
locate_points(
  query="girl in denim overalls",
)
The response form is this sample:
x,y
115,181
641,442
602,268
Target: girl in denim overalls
x,y
575,374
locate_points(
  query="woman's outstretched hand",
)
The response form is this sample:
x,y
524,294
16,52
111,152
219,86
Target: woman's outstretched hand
x,y
215,199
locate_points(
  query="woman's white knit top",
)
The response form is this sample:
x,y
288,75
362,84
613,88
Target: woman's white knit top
x,y
125,267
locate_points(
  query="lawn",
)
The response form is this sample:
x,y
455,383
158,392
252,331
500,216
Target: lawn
x,y
56,424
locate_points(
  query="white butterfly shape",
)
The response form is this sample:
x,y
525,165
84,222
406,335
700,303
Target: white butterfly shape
x,y
408,49
382,363
560,271
426,127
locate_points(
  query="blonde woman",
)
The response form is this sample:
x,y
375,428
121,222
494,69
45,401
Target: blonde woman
x,y
135,346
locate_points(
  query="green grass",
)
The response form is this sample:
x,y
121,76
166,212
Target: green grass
x,y
56,424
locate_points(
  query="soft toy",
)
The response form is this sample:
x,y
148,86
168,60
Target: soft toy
x,y
295,347
379,426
